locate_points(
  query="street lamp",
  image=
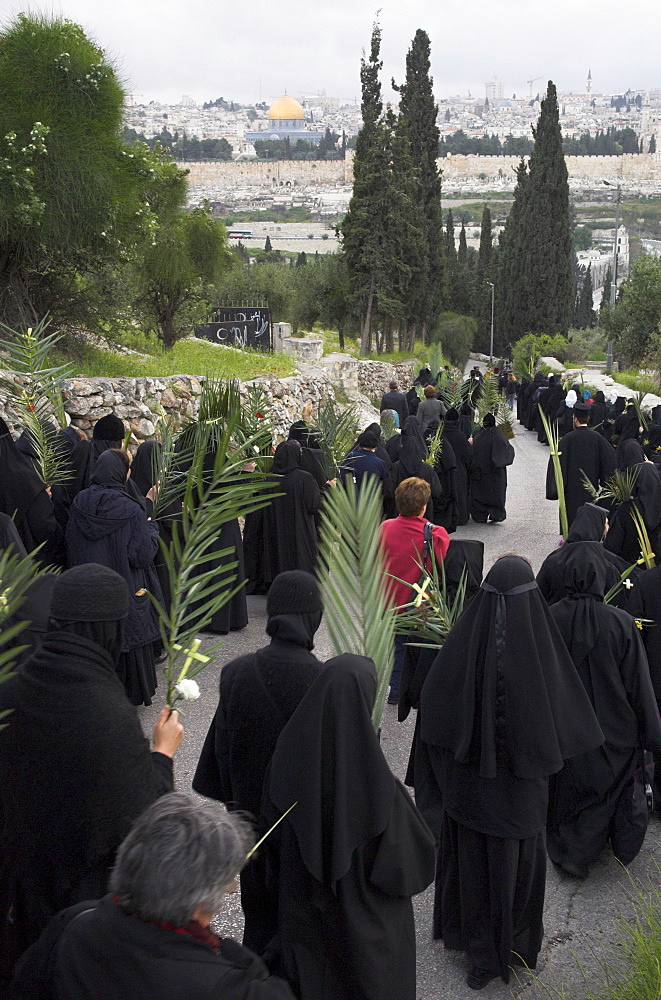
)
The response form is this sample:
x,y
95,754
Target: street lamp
x,y
491,342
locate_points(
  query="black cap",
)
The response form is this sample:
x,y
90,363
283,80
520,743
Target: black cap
x,y
90,593
293,592
581,408
108,428
368,439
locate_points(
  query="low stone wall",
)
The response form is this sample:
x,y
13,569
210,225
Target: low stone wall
x,y
142,402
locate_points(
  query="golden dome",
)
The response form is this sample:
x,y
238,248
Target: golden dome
x,y
286,109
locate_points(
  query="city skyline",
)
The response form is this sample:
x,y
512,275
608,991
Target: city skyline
x,y
213,49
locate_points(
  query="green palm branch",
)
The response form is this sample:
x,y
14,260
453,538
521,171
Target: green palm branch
x,y
33,387
432,615
353,580
337,434
553,438
435,445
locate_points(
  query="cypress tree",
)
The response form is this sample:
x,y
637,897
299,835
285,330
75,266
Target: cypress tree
x,y
483,274
652,148
462,284
419,112
535,284
268,246
606,294
363,225
584,317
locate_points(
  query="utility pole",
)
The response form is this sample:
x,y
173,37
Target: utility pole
x,y
491,341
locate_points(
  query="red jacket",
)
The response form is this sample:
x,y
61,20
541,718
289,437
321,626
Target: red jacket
x,y
402,539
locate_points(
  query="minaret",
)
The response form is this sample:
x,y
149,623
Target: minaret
x,y
588,85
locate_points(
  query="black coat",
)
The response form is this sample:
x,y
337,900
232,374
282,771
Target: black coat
x,y
75,772
111,955
396,401
463,453
585,451
109,527
492,453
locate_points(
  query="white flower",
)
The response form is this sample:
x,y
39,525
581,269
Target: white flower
x,y
188,689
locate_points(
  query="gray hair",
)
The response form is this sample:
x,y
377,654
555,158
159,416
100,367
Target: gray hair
x,y
180,854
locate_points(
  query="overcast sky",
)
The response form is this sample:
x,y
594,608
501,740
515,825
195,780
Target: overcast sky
x,y
244,48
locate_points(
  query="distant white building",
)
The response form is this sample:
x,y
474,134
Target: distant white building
x,y
494,90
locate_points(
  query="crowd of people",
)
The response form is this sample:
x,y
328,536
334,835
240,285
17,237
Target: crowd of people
x,y
536,730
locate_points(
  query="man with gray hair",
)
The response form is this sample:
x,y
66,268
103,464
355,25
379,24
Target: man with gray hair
x,y
395,400
150,937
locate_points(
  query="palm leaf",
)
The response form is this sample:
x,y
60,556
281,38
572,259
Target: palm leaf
x,y
337,433
553,438
432,615
435,445
353,582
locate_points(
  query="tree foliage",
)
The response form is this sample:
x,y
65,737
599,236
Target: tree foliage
x,y
584,315
535,286
74,200
635,322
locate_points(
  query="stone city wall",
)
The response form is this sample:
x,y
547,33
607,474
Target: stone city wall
x,y
636,172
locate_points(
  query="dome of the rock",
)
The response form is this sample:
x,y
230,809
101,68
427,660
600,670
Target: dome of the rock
x,y
286,109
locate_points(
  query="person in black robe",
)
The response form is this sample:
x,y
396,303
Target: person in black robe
x,y
466,420
33,615
463,453
622,537
108,525
411,462
589,525
502,708
381,450
144,467
108,433
9,536
598,411
345,862
590,798
628,454
652,444
283,536
539,388
311,457
645,603
445,467
548,405
75,768
583,451
492,453
627,426
564,416
24,498
258,695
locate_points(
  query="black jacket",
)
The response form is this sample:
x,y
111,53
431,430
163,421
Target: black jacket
x,y
396,401
96,950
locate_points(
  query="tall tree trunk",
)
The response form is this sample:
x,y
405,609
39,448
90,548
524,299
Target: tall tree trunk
x,y
388,336
340,334
366,335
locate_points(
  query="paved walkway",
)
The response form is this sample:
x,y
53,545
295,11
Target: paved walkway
x,y
581,917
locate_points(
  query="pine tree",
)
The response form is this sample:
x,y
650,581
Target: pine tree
x,y
535,286
363,225
419,112
584,317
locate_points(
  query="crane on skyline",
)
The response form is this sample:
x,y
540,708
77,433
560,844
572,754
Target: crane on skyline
x,y
530,83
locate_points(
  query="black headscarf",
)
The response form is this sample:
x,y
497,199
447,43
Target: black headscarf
x,y
19,483
294,608
647,494
619,406
599,397
110,471
287,458
503,690
589,524
628,454
91,601
306,436
653,443
491,449
142,466
584,575
413,449
329,761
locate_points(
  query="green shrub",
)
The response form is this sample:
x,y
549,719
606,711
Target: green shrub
x,y
639,383
456,334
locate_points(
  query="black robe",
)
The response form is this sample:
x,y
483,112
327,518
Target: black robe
x,y
259,693
590,798
346,861
492,453
501,708
622,537
463,453
283,535
585,451
75,772
23,497
551,578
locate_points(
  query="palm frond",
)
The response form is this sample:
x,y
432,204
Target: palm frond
x,y
432,615
436,359
624,581
337,434
553,438
638,403
435,445
33,388
353,581
646,550
387,425
491,401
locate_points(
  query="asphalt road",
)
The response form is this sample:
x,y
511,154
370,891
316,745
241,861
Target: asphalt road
x,y
581,918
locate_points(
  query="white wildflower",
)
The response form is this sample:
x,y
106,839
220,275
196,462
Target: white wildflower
x,y
188,689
